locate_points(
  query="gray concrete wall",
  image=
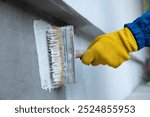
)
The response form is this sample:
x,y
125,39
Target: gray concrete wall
x,y
19,74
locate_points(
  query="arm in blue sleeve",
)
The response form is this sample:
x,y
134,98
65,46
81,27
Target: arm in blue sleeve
x,y
140,28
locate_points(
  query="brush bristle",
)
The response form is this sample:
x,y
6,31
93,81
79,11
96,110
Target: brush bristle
x,y
56,56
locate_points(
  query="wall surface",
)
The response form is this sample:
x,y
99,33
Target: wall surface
x,y
104,82
19,70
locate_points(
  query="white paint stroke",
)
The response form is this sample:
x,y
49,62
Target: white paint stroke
x,y
42,52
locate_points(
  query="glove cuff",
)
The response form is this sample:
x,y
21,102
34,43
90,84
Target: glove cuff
x,y
128,39
138,34
131,40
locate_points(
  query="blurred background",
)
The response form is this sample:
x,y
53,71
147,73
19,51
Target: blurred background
x,y
19,70
102,82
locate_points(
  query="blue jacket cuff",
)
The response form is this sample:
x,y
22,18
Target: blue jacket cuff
x,y
140,29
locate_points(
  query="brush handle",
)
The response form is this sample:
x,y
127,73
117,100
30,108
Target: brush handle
x,y
79,53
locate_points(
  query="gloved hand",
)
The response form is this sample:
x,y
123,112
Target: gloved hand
x,y
110,49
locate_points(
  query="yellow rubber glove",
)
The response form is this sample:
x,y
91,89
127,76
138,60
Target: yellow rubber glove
x,y
110,49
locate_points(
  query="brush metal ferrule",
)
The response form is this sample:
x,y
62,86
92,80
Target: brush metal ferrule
x,y
69,58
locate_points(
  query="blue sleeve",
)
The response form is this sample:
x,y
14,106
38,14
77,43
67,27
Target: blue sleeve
x,y
140,28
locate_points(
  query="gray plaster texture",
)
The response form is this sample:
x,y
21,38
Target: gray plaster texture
x,y
19,72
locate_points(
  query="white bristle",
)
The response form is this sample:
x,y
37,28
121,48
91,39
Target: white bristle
x,y
56,56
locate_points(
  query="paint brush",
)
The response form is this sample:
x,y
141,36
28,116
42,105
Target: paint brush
x,y
60,41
